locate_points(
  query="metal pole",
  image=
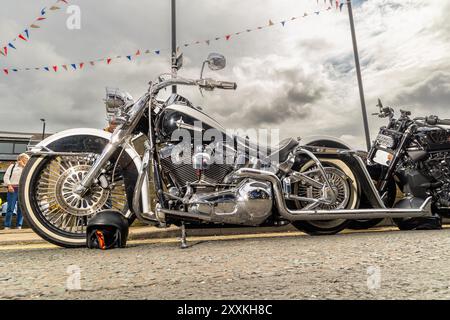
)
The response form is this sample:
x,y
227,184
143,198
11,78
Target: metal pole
x,y
358,74
43,129
174,43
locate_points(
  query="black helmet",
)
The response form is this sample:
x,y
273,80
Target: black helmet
x,y
106,230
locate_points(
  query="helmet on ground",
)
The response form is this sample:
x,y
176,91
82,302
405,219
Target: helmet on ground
x,y
107,230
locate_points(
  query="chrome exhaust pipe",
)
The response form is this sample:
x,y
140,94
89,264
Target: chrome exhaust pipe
x,y
351,214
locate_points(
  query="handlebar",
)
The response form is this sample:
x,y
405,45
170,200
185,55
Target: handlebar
x,y
210,84
207,84
434,121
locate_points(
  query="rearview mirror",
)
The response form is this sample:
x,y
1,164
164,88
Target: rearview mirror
x,y
216,61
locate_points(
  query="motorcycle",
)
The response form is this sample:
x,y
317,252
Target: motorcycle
x,y
413,154
75,174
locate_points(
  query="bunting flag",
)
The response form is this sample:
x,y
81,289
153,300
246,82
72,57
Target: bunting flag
x,y
25,34
131,56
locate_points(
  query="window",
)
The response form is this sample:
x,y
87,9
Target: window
x,y
20,147
6,147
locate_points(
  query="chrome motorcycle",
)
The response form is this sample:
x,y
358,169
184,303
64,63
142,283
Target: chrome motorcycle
x,y
179,175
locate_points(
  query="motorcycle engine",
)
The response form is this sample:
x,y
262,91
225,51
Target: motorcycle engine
x,y
438,167
245,202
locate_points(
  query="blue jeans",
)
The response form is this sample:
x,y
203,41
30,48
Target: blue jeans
x,y
12,198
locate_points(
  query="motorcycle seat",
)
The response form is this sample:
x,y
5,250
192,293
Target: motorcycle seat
x,y
281,152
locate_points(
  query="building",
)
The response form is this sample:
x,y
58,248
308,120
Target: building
x,y
11,145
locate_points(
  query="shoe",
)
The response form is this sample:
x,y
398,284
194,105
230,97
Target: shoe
x,y
18,228
6,228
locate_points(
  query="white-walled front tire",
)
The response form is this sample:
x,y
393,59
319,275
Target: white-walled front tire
x,y
49,207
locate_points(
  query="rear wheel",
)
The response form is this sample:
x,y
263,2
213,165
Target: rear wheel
x,y
51,207
346,192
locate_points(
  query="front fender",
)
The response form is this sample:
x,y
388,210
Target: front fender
x,y
95,140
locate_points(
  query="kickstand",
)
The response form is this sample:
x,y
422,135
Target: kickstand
x,y
184,244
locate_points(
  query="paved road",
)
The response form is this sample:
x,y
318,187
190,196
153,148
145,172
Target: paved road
x,y
380,265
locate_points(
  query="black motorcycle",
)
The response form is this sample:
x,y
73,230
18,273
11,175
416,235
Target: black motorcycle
x,y
413,154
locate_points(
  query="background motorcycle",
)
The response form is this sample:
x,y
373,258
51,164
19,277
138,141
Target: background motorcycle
x,y
75,174
413,154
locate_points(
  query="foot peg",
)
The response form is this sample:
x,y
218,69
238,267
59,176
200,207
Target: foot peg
x,y
183,244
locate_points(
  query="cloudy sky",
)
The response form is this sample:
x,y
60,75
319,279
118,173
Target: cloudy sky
x,y
299,78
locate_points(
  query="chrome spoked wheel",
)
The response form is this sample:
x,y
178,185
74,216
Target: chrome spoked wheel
x,y
339,187
62,209
345,196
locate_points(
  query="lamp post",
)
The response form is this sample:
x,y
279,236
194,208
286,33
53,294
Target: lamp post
x,y
174,42
358,75
43,128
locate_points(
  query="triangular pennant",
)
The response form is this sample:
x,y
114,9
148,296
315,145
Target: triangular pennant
x,y
259,28
305,14
22,37
63,1
218,38
228,37
129,58
157,52
147,51
186,45
5,49
35,26
249,30
81,65
108,61
74,66
15,70
6,71
55,68
317,12
11,45
64,66
138,53
37,68
43,12
46,69
40,19
92,63
54,8
283,23
27,33
207,42
271,23
293,18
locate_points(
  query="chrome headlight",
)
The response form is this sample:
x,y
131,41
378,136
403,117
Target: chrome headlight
x,y
385,141
116,101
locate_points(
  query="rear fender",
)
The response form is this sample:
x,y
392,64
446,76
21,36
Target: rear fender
x,y
326,148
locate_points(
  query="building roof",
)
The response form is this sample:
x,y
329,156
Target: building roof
x,y
8,135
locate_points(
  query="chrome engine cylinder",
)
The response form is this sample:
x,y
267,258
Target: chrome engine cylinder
x,y
250,203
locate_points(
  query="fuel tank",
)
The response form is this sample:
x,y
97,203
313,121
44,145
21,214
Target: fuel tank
x,y
177,117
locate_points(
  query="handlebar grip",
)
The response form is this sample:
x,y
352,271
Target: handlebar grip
x,y
445,122
226,85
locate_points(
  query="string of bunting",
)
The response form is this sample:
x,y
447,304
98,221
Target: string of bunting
x,y
157,52
24,36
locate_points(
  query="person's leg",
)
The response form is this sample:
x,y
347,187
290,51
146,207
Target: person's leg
x,y
9,210
19,220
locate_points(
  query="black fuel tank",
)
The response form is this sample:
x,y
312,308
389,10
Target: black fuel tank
x,y
434,139
176,117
